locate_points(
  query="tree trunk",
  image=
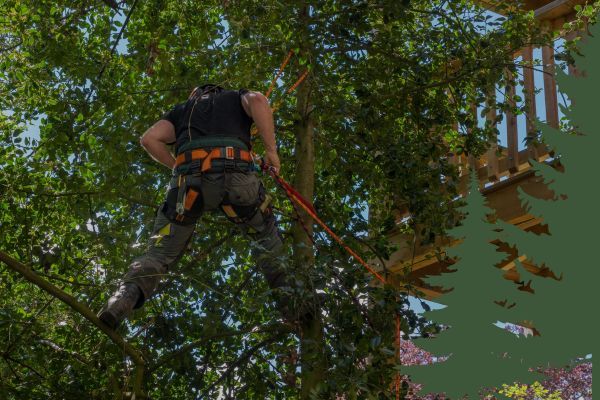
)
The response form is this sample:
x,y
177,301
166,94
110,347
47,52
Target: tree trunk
x,y
311,335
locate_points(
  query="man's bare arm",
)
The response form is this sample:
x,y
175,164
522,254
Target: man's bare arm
x,y
155,140
257,106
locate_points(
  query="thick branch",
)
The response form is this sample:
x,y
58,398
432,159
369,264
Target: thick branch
x,y
69,300
84,193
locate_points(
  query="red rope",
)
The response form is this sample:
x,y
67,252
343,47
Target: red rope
x,y
298,82
308,207
300,219
297,198
398,338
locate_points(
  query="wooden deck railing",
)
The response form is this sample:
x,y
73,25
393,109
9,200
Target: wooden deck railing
x,y
509,156
506,163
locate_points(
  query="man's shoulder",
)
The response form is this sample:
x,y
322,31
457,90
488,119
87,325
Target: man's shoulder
x,y
236,92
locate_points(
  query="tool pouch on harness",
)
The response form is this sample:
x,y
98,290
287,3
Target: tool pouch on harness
x,y
247,203
206,156
184,200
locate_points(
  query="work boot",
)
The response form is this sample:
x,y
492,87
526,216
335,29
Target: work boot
x,y
120,305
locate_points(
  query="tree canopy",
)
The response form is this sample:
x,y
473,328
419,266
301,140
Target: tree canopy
x,y
367,132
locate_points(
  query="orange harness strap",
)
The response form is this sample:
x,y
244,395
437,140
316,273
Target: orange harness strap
x,y
228,153
190,199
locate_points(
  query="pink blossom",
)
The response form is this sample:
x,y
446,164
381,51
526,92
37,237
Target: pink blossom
x,y
574,383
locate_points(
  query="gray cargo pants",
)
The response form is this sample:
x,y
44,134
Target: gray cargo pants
x,y
241,192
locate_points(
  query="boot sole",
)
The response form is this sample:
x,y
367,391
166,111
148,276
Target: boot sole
x,y
108,319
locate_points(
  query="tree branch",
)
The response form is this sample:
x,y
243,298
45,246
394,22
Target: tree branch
x,y
241,360
26,272
198,342
85,193
114,47
111,3
11,47
22,364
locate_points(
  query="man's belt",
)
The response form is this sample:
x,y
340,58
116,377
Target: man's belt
x,y
206,156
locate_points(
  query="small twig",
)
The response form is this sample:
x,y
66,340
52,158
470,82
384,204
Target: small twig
x,y
199,342
240,360
114,47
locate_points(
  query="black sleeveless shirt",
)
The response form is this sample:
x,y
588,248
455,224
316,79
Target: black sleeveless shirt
x,y
217,113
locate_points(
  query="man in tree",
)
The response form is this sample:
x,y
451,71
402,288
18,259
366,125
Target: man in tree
x,y
213,169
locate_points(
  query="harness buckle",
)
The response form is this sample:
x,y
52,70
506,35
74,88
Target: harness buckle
x,y
229,153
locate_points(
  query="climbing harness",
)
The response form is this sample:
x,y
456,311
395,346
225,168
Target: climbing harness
x,y
195,158
206,157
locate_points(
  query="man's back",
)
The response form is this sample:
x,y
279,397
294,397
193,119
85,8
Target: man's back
x,y
211,112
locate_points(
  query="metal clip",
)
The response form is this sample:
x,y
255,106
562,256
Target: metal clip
x,y
181,194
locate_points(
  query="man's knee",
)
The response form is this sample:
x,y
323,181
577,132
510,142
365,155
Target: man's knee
x,y
168,241
256,220
146,273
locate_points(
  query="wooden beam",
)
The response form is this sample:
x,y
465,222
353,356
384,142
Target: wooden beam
x,y
422,260
550,94
511,264
493,168
519,220
473,162
500,6
536,151
526,221
556,9
581,35
429,294
531,223
512,141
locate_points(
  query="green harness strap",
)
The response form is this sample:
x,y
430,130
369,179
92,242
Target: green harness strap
x,y
212,141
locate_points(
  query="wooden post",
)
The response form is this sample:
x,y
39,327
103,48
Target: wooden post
x,y
550,86
474,163
570,36
512,141
531,109
573,35
492,159
456,159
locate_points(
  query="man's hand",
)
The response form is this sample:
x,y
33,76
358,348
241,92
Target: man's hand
x,y
272,160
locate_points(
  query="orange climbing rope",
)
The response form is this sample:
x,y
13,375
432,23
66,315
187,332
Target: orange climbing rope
x,y
281,68
296,197
276,107
302,202
398,338
298,82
